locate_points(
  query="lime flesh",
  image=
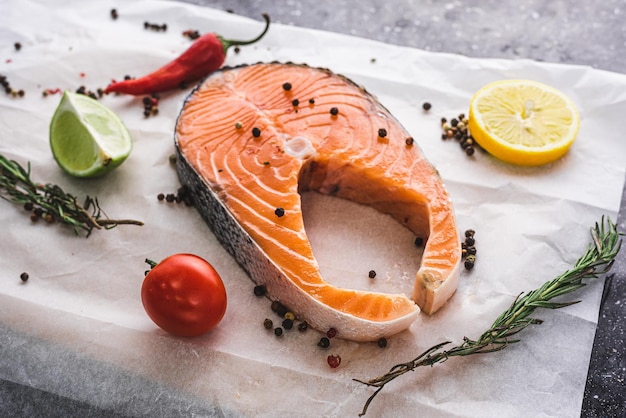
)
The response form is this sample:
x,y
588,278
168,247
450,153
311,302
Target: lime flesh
x,y
87,139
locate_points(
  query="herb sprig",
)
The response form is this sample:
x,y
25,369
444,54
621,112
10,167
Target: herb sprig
x,y
597,260
51,202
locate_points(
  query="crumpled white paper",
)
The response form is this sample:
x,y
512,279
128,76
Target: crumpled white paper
x,y
82,300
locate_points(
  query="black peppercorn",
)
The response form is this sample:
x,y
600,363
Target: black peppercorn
x,y
268,324
382,342
260,290
324,342
295,102
382,132
469,262
288,323
311,101
287,86
256,132
426,106
409,141
282,310
334,111
280,212
372,274
24,276
419,241
302,326
278,331
469,241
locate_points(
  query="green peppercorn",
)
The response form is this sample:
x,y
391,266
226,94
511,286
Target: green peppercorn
x,y
238,125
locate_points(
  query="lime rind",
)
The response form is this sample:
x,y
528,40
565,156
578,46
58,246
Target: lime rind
x,y
87,139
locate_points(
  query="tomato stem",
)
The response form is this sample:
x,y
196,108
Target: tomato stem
x,y
151,263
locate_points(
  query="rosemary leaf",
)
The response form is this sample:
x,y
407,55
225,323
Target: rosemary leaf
x,y
597,260
51,202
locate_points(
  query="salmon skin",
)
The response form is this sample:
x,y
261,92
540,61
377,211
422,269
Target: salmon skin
x,y
249,139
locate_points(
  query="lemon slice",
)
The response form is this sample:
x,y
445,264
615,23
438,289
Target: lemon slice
x,y
87,138
523,122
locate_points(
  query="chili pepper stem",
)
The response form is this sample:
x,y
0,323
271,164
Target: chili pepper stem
x,y
227,43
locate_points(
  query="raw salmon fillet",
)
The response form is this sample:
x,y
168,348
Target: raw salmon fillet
x,y
250,138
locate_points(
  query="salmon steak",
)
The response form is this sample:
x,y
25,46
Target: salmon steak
x,y
250,139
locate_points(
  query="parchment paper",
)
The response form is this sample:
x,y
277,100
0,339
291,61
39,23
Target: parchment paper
x,y
82,299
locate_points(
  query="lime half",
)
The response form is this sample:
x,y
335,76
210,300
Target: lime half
x,y
87,138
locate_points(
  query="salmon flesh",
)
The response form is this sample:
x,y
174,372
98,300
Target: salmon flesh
x,y
250,139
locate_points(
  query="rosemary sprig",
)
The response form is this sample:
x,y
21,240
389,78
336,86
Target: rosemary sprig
x,y
50,202
598,259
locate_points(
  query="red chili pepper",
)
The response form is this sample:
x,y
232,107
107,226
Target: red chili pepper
x,y
204,56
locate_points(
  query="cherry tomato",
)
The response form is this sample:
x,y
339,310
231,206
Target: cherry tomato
x,y
184,295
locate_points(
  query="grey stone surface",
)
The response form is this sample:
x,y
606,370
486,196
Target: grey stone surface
x,y
574,32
